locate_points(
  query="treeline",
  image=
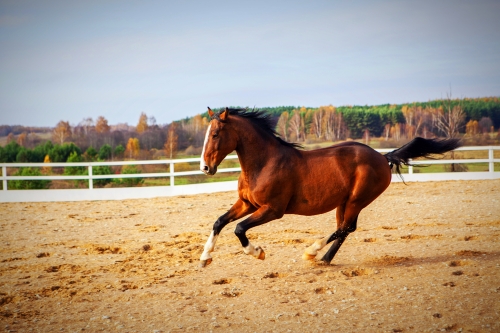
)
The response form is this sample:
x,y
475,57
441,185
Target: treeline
x,y
476,120
439,118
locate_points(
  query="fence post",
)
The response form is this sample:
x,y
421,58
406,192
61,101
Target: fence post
x,y
91,183
490,157
410,167
172,181
4,175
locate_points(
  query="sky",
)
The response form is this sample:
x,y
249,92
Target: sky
x,y
70,60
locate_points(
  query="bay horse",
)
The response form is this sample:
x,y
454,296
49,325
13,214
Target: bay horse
x,y
278,178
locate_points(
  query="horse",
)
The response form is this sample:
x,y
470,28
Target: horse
x,y
278,177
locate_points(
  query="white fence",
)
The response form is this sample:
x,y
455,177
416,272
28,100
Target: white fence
x,y
92,193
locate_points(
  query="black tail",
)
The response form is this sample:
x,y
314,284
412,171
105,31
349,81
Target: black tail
x,y
420,147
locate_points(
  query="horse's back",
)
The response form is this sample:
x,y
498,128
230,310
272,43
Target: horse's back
x,y
330,176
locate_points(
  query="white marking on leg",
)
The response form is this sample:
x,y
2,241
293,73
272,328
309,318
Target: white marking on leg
x,y
209,247
254,251
203,164
317,246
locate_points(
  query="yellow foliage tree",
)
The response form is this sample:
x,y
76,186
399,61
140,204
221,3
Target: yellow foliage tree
x,y
47,170
61,132
142,126
101,125
21,139
282,126
132,147
170,146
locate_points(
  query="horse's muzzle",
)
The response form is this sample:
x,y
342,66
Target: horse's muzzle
x,y
209,171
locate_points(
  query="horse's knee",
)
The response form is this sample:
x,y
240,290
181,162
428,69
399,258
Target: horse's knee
x,y
240,232
218,226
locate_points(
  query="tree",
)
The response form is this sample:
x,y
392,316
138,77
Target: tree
x,y
46,170
317,124
119,150
105,152
414,117
101,170
142,125
334,124
23,156
129,182
101,125
449,119
170,146
282,126
91,153
296,125
61,132
133,147
75,157
11,150
31,183
21,139
86,124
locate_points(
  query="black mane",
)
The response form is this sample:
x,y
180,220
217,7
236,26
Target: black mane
x,y
263,120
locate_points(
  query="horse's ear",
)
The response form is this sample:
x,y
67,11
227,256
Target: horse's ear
x,y
224,114
210,112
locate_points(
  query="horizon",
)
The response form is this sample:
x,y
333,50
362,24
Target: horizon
x,y
68,61
262,108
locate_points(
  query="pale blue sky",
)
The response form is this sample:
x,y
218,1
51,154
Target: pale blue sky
x,y
68,60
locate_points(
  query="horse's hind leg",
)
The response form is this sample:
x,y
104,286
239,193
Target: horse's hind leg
x,y
339,237
311,252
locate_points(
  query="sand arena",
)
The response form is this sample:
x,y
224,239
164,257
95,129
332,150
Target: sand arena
x,y
425,257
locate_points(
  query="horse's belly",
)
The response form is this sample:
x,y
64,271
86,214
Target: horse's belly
x,y
316,201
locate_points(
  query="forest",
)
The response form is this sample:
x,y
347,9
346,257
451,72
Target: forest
x,y
476,120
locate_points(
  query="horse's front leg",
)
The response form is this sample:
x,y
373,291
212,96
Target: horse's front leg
x,y
237,211
263,215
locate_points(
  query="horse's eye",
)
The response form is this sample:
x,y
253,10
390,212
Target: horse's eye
x,y
215,135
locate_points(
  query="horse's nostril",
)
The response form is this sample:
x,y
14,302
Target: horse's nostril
x,y
205,168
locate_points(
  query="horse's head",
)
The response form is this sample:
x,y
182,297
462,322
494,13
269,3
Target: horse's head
x,y
220,140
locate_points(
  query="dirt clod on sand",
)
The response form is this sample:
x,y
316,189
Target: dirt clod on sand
x,y
133,266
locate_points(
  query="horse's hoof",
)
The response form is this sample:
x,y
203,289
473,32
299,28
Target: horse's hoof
x,y
204,263
307,256
262,255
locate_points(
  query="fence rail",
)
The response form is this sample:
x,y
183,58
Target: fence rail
x,y
92,193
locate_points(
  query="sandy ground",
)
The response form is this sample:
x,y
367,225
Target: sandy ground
x,y
425,257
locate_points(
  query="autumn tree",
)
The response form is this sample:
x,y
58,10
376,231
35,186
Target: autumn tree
x,y
296,125
46,170
21,139
142,125
472,128
387,131
101,125
485,125
61,132
192,131
449,118
86,124
170,146
282,126
133,147
317,123
334,126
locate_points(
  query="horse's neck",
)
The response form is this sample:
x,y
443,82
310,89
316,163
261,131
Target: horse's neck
x,y
256,151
